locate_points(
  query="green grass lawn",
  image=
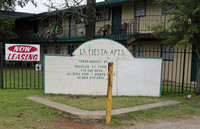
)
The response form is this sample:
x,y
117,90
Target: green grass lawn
x,y
186,108
93,103
18,112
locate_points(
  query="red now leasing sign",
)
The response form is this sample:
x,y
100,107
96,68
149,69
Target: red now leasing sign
x,y
22,52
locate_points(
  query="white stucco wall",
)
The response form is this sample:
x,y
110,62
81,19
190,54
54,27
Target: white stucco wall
x,y
86,71
139,77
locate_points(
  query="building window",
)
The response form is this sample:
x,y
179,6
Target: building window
x,y
140,8
138,51
45,22
102,14
167,53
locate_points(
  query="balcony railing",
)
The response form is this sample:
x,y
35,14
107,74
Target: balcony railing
x,y
120,30
146,23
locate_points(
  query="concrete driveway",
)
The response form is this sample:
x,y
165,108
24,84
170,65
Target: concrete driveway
x,y
186,123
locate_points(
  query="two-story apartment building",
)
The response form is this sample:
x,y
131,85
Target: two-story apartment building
x,y
127,21
122,20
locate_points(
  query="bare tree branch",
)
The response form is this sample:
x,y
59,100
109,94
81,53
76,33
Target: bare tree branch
x,y
73,7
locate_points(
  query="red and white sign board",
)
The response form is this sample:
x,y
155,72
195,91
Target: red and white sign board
x,y
22,52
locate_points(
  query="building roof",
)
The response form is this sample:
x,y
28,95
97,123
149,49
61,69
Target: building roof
x,y
84,6
110,2
15,14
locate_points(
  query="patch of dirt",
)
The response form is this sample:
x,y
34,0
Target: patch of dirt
x,y
18,115
189,122
73,96
67,123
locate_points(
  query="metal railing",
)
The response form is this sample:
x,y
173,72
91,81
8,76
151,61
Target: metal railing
x,y
103,29
146,23
123,30
179,67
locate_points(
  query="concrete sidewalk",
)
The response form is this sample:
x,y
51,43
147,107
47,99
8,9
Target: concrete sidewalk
x,y
93,116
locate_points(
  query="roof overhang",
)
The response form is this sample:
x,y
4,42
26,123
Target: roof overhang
x,y
110,2
104,3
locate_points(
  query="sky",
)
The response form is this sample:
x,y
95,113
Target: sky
x,y
29,8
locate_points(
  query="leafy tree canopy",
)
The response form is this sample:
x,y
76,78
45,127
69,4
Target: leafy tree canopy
x,y
184,27
10,4
6,29
184,22
7,24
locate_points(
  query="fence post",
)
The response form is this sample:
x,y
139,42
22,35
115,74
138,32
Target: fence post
x,y
1,65
183,77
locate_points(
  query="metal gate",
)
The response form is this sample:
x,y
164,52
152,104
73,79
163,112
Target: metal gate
x,y
179,73
20,74
28,74
178,76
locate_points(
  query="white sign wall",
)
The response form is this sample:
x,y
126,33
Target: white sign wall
x,y
139,77
86,71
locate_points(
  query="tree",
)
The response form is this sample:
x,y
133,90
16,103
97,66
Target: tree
x,y
184,29
6,29
11,4
7,24
91,19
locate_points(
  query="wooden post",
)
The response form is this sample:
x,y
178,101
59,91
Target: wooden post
x,y
109,93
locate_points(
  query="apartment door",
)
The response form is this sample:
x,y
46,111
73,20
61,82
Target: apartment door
x,y
116,19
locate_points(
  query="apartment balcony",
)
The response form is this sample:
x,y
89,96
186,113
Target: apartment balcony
x,y
115,30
